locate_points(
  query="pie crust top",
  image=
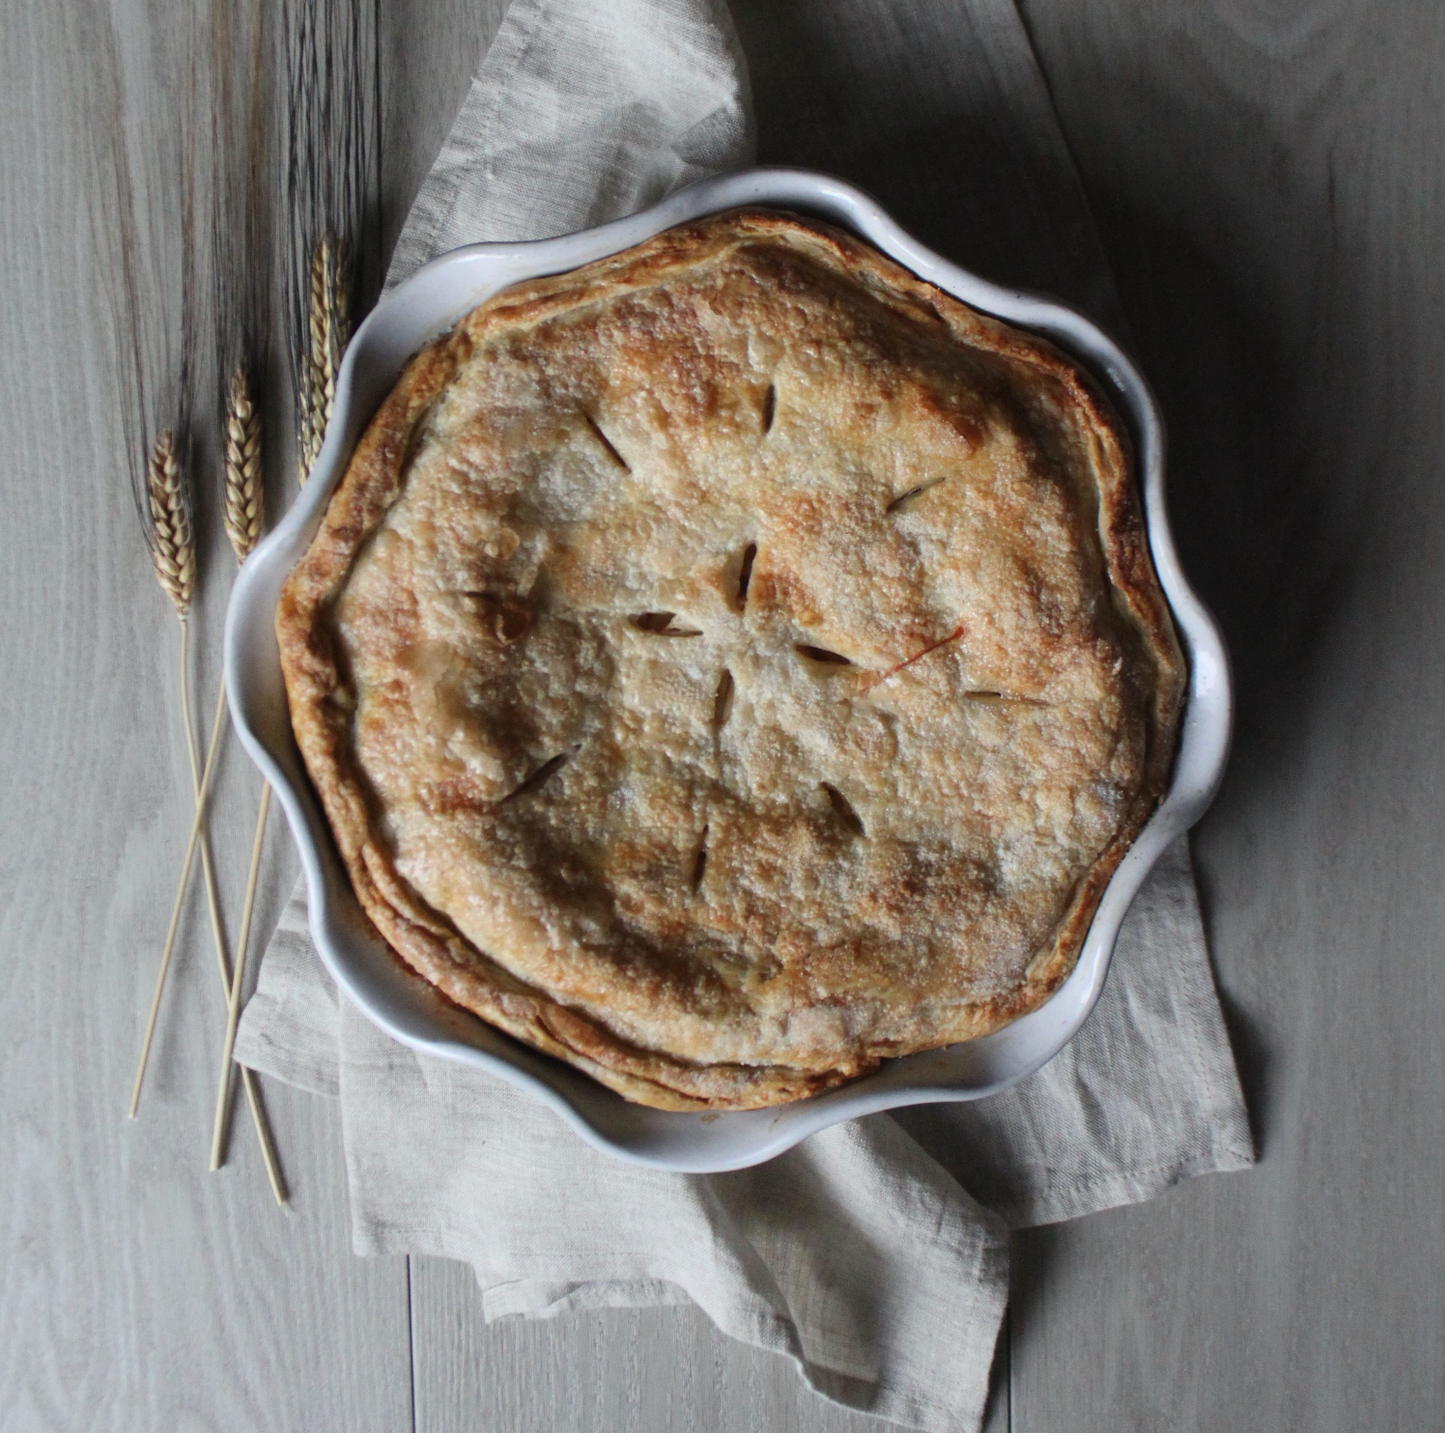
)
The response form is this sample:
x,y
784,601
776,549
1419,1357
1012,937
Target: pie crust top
x,y
734,663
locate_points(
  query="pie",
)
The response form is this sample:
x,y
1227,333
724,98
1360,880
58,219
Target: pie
x,y
735,663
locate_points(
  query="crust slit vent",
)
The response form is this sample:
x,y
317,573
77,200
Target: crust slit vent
x,y
821,654
983,694
417,434
745,573
843,810
699,861
770,408
659,624
912,493
606,442
722,705
541,775
508,618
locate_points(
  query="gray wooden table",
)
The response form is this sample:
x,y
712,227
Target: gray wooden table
x,y
1268,182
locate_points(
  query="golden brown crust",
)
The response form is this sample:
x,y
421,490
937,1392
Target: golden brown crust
x,y
530,677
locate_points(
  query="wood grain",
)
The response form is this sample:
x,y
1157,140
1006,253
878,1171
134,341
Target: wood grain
x,y
625,1370
430,50
1268,183
136,1289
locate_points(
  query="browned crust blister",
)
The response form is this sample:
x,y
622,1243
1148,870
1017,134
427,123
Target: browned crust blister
x,y
322,716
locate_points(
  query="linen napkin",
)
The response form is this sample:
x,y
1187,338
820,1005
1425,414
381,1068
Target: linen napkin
x,y
875,1254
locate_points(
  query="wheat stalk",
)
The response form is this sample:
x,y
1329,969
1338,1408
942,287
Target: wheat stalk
x,y
244,520
243,516
328,332
244,512
172,548
240,271
167,518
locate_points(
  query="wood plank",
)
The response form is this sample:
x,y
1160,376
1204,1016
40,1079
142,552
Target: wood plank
x,y
625,1370
430,51
1269,187
137,1290
1274,204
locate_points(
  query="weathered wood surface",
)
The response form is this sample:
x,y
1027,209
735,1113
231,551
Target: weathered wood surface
x,y
1269,191
628,1370
1269,185
137,1291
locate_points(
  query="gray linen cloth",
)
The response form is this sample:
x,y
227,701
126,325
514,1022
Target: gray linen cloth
x,y
874,1255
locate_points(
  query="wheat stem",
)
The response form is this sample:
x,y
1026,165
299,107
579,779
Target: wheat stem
x,y
165,966
263,1133
213,899
223,964
248,1079
238,975
201,786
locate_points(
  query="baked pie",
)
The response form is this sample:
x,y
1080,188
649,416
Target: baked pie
x,y
734,663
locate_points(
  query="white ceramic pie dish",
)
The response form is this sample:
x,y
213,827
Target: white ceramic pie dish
x,y
428,304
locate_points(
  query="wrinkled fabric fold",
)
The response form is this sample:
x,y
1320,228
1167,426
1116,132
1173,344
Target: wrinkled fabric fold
x,y
583,112
875,1254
